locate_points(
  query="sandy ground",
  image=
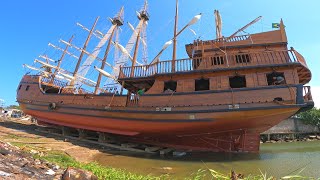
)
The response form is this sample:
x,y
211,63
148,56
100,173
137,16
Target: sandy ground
x,y
24,132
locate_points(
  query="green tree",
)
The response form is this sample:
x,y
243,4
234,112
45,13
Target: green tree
x,y
13,107
311,117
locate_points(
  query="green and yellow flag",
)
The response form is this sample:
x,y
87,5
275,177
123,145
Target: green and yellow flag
x,y
275,25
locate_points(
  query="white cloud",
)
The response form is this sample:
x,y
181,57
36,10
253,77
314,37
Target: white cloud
x,y
315,91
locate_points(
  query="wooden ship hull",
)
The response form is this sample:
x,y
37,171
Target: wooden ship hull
x,y
202,127
220,98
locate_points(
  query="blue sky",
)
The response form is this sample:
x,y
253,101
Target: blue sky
x,y
28,26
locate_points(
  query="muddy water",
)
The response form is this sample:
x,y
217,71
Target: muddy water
x,y
276,159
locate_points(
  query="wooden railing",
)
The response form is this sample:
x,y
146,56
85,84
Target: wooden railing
x,y
132,99
231,60
226,39
307,93
53,82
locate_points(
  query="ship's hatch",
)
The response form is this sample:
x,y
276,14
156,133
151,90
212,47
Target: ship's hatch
x,y
133,85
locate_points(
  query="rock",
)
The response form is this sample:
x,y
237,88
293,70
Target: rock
x,y
4,152
166,168
178,153
56,167
318,137
32,151
77,174
5,174
37,162
50,172
312,137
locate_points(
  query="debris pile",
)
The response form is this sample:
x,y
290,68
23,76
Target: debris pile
x,y
16,164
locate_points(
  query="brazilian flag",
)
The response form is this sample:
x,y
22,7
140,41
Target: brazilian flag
x,y
275,25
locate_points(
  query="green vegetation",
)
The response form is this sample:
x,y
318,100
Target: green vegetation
x,y
13,107
102,172
311,117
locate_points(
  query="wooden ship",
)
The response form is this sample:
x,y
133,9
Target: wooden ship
x,y
220,98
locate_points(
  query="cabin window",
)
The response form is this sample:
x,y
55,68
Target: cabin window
x,y
27,88
242,58
170,86
217,60
19,87
202,84
276,78
237,82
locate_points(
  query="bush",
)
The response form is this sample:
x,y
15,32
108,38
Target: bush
x,y
311,117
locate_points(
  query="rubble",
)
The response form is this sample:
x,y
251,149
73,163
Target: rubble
x,y
17,164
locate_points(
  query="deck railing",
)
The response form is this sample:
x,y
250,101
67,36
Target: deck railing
x,y
54,82
226,39
230,60
307,93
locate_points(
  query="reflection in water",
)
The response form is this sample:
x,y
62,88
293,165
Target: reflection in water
x,y
275,159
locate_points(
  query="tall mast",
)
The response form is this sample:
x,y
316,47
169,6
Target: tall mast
x,y
83,50
135,55
218,24
62,56
175,38
118,21
142,16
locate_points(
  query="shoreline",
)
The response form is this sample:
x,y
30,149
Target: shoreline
x,y
289,137
15,132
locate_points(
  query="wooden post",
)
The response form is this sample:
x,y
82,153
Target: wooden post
x,y
122,85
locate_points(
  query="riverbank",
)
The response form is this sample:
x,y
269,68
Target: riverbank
x,y
290,137
170,167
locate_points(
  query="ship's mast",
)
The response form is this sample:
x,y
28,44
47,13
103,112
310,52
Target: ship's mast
x,y
218,24
83,52
143,17
175,38
61,58
118,21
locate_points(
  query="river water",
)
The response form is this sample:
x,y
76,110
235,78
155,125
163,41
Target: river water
x,y
279,159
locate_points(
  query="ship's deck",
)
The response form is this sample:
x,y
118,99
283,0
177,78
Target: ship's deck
x,y
142,76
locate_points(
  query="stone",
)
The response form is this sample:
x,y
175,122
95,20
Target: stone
x,y
50,172
5,174
179,153
312,137
167,168
165,151
56,167
77,174
4,152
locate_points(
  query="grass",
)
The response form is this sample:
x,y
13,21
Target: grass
x,y
102,172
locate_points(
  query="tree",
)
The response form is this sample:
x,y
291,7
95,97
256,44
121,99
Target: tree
x,y
13,107
311,117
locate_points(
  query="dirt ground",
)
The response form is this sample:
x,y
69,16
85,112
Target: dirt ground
x,y
18,131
